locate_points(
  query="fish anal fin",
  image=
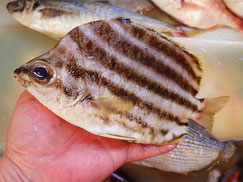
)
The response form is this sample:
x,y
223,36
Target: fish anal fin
x,y
210,107
109,105
119,137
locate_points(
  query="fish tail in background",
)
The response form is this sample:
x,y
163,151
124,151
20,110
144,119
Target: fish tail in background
x,y
231,19
236,23
210,107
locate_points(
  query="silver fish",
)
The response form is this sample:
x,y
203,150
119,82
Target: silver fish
x,y
117,79
56,18
198,152
204,14
141,6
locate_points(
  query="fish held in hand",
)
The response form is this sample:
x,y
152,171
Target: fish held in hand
x,y
56,18
117,79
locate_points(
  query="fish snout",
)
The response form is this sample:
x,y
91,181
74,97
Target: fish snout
x,y
19,75
15,6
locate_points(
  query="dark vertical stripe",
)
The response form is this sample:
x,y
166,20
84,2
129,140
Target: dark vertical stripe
x,y
169,50
135,53
91,50
77,36
123,94
111,63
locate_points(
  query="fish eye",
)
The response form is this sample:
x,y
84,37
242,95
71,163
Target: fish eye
x,y
41,72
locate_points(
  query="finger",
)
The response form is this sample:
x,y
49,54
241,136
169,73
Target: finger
x,y
139,151
35,127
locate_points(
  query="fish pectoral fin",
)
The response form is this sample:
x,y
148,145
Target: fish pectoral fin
x,y
109,105
211,107
119,137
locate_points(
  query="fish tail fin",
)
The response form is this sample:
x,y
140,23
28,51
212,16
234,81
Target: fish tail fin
x,y
211,107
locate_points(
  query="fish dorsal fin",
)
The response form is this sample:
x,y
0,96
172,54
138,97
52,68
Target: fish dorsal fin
x,y
212,106
140,6
109,105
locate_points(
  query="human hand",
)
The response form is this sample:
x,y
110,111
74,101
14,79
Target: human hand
x,y
43,147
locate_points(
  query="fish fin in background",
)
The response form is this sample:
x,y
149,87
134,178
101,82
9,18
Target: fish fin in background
x,y
109,105
211,107
139,6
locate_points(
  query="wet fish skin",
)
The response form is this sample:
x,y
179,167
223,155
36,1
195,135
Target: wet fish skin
x,y
205,14
236,6
128,82
198,152
56,18
141,6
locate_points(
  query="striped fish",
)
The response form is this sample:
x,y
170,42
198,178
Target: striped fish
x,y
56,18
121,80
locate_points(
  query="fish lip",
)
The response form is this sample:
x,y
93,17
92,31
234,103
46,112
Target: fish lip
x,y
19,80
18,75
16,6
20,70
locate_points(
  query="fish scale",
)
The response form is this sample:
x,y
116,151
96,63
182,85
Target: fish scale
x,y
94,82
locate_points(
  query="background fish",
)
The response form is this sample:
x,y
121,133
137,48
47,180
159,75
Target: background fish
x,y
117,79
141,6
198,152
236,6
56,18
204,14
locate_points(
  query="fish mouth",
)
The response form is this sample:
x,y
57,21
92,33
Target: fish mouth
x,y
16,6
18,75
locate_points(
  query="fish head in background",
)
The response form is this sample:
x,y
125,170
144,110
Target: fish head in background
x,y
22,10
55,18
40,15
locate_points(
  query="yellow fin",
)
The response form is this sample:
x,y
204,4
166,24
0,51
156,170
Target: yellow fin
x,y
119,137
212,106
109,105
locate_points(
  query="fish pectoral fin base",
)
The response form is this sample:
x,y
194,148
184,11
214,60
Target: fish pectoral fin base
x,y
110,105
119,137
212,106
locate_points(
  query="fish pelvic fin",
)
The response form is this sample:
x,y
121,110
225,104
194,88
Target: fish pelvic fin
x,y
210,107
118,137
110,105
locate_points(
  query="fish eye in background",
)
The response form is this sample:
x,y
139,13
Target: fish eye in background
x,y
19,44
